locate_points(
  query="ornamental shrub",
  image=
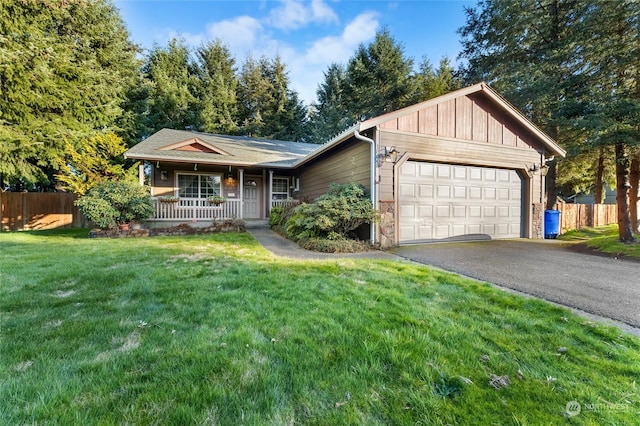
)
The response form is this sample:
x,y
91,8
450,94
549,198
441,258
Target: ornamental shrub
x,y
333,215
112,202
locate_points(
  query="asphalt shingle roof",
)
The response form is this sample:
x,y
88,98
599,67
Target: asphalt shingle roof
x,y
242,151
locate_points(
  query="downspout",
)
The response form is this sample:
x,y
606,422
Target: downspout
x,y
373,178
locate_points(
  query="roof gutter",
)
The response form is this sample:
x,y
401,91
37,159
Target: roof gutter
x,y
373,178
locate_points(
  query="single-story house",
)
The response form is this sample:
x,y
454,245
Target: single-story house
x,y
460,166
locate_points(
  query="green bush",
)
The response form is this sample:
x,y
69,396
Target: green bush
x,y
275,216
112,202
326,245
333,215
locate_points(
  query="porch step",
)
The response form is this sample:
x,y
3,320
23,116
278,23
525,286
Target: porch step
x,y
256,224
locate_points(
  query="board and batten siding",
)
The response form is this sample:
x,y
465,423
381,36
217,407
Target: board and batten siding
x,y
347,164
469,117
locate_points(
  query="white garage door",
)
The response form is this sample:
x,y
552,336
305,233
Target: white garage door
x,y
440,201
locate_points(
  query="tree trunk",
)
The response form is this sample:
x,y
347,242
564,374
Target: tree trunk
x,y
625,230
634,177
552,192
599,177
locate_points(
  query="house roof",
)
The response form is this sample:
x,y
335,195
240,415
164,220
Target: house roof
x,y
184,146
205,148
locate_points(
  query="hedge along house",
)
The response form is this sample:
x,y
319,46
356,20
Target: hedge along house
x,y
466,165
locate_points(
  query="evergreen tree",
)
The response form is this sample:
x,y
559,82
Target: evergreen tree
x,y
571,66
431,83
172,80
523,49
65,69
328,116
217,86
268,107
378,78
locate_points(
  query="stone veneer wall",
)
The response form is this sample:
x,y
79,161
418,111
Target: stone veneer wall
x,y
537,218
387,224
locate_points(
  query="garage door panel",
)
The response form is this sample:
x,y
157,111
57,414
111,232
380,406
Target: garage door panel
x,y
443,191
407,212
439,201
425,191
460,192
425,212
444,171
407,190
442,212
425,233
425,170
408,169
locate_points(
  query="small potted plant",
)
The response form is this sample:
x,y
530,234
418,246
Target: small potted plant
x,y
216,200
168,199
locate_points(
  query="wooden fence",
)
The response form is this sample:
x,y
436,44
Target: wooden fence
x,y
578,216
24,211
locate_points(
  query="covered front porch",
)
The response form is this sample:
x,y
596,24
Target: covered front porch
x,y
193,210
197,178
201,194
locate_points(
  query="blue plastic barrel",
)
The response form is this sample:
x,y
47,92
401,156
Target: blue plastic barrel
x,y
551,224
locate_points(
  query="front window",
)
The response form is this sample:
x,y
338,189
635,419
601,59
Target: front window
x,y
198,185
280,189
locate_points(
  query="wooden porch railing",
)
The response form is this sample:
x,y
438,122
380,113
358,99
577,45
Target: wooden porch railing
x,y
196,209
189,209
284,203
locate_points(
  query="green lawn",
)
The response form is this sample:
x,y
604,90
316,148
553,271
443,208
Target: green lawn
x,y
605,240
213,329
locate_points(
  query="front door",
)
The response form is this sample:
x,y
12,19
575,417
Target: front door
x,y
252,191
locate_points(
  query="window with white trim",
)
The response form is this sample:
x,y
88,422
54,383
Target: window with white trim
x,y
280,188
192,185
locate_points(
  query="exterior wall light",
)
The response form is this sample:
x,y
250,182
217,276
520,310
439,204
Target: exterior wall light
x,y
388,155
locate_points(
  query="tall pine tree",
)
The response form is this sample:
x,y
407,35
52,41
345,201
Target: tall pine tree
x,y
572,67
216,89
378,78
267,106
172,79
328,116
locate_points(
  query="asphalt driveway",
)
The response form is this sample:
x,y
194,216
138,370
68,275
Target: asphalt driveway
x,y
549,269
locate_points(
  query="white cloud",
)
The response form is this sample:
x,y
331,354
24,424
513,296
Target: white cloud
x,y
307,70
339,48
240,34
294,14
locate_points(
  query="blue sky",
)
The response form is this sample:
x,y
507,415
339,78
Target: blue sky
x,y
308,35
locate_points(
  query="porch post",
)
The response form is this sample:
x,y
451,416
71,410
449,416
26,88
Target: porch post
x,y
269,191
241,189
141,174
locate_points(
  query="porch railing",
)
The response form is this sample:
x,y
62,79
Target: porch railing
x,y
188,209
197,209
284,203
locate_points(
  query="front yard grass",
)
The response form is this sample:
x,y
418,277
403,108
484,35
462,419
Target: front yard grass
x,y
605,240
213,329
